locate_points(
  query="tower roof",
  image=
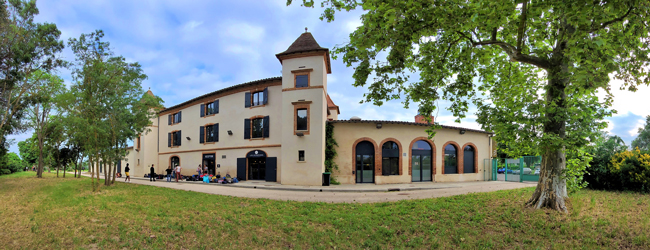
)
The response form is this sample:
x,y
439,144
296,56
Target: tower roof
x,y
306,44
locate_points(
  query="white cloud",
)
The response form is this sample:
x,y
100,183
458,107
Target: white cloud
x,y
243,31
635,131
189,26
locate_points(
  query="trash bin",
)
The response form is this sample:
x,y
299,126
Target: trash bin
x,y
326,178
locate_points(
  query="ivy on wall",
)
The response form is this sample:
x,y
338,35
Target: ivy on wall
x,y
330,152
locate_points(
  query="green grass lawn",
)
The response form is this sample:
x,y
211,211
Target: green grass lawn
x,y
64,213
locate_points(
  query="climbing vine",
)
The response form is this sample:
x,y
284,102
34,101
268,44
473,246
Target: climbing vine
x,y
330,151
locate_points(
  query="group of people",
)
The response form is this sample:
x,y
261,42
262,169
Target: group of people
x,y
176,170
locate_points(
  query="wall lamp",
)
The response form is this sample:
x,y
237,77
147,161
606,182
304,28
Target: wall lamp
x,y
378,125
300,134
188,138
229,132
462,131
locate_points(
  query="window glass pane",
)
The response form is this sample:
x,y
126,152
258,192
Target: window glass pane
x,y
426,168
415,168
394,166
209,133
301,155
421,145
302,81
368,165
258,128
301,119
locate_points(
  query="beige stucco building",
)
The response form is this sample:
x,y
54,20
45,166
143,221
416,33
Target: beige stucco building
x,y
274,129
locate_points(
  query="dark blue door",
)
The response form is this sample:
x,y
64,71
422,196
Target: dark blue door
x,y
271,168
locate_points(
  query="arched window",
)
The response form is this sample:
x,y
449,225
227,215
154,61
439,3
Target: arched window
x,y
421,159
390,158
451,159
468,159
175,161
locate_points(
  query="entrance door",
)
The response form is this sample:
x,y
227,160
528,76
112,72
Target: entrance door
x,y
421,161
365,162
209,161
257,168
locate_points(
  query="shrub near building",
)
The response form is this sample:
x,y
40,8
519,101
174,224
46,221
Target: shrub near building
x,y
631,169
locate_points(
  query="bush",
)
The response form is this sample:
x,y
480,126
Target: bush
x,y
631,170
4,171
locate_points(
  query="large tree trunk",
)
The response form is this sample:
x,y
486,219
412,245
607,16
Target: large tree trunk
x,y
551,188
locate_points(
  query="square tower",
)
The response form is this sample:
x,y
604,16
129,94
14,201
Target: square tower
x,y
305,66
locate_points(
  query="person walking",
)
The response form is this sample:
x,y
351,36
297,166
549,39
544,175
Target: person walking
x,y
169,173
178,172
152,173
126,172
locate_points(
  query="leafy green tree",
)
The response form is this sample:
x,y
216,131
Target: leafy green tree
x,y
28,151
531,67
44,91
643,140
106,102
11,163
26,47
604,148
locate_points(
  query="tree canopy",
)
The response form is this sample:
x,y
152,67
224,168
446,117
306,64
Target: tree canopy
x,y
642,141
532,68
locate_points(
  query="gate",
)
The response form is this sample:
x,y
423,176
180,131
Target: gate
x,y
517,170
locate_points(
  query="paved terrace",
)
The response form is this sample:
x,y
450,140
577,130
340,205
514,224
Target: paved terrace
x,y
359,193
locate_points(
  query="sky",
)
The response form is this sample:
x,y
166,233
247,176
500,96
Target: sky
x,y
190,48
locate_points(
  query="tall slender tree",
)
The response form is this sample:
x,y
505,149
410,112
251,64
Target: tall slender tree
x,y
45,88
642,141
26,47
531,67
108,101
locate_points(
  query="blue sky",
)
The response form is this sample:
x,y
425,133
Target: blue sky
x,y
189,48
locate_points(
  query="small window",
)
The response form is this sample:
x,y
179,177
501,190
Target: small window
x,y
302,81
301,155
138,143
210,108
175,118
138,162
257,128
301,119
258,98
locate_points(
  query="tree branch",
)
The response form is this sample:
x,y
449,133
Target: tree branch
x,y
515,55
618,19
522,26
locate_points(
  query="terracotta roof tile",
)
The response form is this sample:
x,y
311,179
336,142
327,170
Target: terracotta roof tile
x,y
409,123
331,105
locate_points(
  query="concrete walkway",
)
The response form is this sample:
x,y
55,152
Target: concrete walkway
x,y
360,193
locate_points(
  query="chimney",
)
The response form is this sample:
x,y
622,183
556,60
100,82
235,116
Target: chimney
x,y
421,119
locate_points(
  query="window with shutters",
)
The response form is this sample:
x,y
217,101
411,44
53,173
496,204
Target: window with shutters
x,y
210,108
174,118
174,138
211,133
257,98
257,128
390,158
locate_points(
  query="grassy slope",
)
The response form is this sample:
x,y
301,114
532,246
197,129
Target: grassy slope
x,y
39,213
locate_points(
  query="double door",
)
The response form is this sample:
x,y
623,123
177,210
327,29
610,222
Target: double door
x,y
365,169
421,167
